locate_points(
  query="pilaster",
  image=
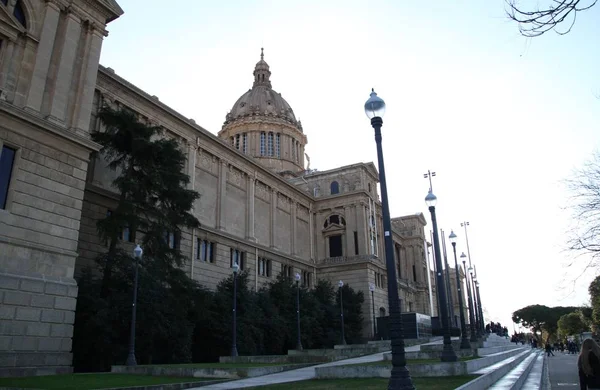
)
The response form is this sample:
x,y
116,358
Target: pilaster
x,y
8,53
293,223
273,216
42,60
250,209
64,75
89,73
191,168
221,193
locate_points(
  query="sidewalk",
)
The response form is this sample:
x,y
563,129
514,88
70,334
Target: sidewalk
x,y
300,374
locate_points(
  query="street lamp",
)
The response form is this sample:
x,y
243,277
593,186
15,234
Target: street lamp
x,y
475,304
448,354
473,339
464,342
341,284
400,377
482,324
372,289
137,254
234,351
299,343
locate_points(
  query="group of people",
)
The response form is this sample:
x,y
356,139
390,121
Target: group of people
x,y
571,346
496,327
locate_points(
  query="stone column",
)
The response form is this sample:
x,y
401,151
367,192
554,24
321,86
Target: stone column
x,y
8,53
273,216
81,117
64,74
293,222
191,169
349,231
42,60
250,209
221,194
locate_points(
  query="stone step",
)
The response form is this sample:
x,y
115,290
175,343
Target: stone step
x,y
489,375
500,348
535,377
517,376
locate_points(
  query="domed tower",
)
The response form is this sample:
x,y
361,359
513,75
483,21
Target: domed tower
x,y
262,124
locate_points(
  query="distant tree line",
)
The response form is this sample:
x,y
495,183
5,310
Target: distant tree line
x,y
178,320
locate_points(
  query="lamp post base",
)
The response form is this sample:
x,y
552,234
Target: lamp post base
x,y
234,351
131,360
299,346
464,343
400,379
448,354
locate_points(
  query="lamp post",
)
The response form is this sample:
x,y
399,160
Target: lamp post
x,y
475,305
448,354
464,342
299,343
137,254
372,289
470,299
400,377
482,323
234,351
341,284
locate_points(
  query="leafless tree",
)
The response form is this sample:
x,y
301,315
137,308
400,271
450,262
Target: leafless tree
x,y
537,22
584,238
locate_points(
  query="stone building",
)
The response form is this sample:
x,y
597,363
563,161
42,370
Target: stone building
x,y
259,205
49,53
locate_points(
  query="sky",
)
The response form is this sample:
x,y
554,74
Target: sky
x,y
502,119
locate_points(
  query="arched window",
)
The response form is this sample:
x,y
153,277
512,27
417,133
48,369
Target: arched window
x,y
19,13
335,188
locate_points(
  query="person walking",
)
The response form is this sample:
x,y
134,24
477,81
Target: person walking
x,y
588,365
549,349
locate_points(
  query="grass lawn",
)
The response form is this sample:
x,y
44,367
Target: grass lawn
x,y
218,365
439,383
91,381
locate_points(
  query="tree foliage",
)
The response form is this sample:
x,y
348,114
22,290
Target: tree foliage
x,y
540,318
594,291
535,22
571,324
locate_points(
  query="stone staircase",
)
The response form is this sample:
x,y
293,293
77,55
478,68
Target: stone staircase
x,y
519,367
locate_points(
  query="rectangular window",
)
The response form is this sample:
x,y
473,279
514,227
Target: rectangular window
x,y
205,250
7,160
355,242
172,240
237,142
236,256
414,273
126,235
270,144
278,145
232,141
263,141
261,266
293,149
245,143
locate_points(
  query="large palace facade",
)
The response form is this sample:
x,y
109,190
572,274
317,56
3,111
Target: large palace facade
x,y
258,204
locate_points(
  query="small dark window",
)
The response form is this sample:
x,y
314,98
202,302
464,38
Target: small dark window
x,y
237,256
335,246
334,219
369,187
7,160
335,188
355,242
414,273
19,13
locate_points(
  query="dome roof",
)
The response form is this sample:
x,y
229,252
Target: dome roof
x,y
262,99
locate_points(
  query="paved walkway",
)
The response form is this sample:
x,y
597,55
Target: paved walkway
x,y
562,369
301,374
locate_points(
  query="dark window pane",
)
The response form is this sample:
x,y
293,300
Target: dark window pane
x,y
7,160
335,246
335,188
19,13
5,2
334,219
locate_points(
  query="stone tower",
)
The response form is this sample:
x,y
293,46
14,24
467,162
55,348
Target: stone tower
x,y
262,124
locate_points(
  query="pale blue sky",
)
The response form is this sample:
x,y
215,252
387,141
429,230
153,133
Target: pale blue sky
x,y
502,119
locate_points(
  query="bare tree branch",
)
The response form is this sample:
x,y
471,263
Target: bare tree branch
x,y
536,23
